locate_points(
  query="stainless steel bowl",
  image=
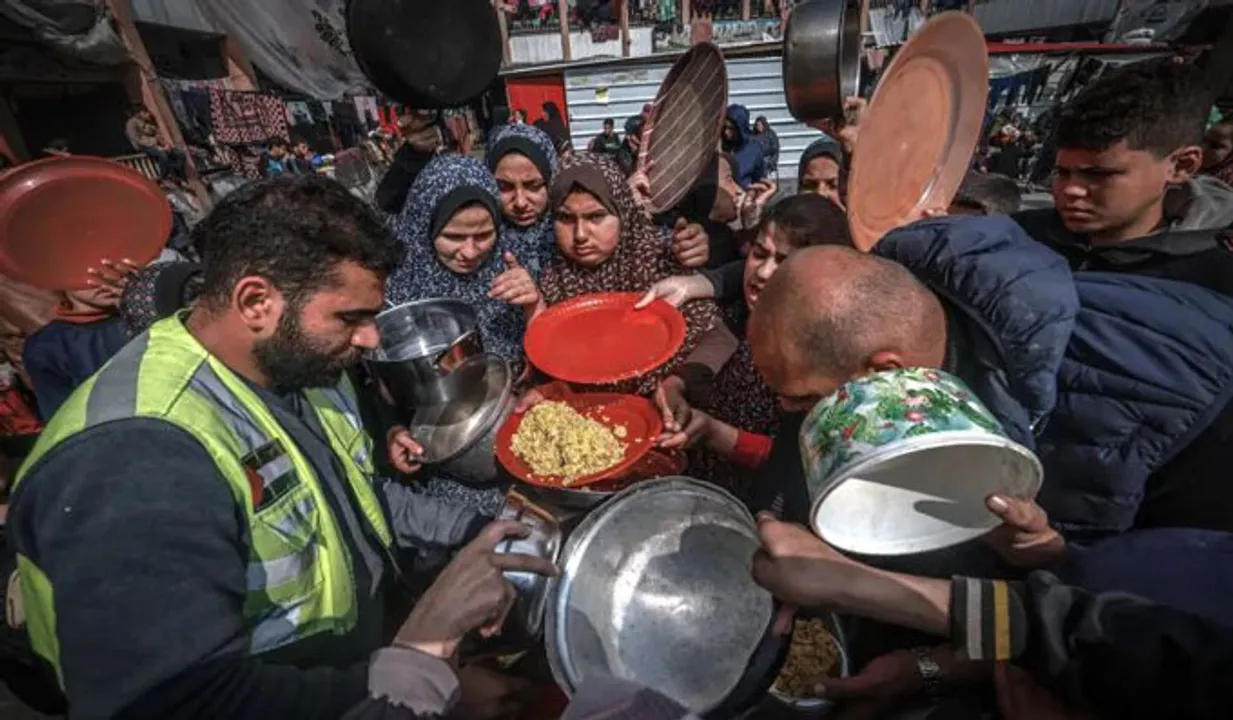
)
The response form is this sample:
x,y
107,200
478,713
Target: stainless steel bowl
x,y
822,58
817,707
424,349
655,588
460,436
527,617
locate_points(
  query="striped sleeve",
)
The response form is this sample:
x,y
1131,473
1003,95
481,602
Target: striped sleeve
x,y
988,619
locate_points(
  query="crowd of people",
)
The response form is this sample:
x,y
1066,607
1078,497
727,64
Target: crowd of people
x,y
222,515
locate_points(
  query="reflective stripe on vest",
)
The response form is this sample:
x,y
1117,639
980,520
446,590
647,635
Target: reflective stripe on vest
x,y
299,575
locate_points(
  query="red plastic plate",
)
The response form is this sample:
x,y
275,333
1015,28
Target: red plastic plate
x,y
600,338
639,416
61,216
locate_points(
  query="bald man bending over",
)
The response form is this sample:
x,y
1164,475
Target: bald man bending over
x,y
832,314
1119,383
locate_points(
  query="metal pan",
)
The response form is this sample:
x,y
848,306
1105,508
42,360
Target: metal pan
x,y
426,53
920,131
822,58
686,120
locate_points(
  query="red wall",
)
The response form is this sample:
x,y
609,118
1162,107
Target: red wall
x,y
529,93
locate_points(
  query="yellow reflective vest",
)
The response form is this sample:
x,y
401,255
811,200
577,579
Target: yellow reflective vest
x,y
299,569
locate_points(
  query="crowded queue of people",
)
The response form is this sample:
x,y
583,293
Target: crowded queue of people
x,y
217,481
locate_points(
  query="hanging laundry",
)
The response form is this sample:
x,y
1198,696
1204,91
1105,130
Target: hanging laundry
x,y
369,113
246,117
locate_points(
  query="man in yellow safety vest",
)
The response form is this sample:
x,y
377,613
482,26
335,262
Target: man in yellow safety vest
x,y
199,531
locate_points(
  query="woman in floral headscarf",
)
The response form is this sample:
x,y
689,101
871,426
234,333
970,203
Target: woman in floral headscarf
x,y
524,161
607,243
451,228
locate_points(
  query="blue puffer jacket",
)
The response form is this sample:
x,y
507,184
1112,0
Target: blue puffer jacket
x,y
1116,374
1110,375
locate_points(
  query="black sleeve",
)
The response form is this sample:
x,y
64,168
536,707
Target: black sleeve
x,y
1127,657
144,547
391,192
728,282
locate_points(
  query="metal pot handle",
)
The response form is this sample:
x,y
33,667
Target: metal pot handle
x,y
464,348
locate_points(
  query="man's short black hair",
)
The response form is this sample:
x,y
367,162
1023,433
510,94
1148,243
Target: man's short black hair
x,y
989,194
1156,105
806,220
609,122
294,231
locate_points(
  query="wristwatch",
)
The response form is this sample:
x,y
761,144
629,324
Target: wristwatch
x,y
929,670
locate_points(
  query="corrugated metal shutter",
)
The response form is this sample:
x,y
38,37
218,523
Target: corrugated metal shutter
x,y
616,92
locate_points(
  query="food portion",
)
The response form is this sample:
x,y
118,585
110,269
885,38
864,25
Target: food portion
x,y
813,656
557,441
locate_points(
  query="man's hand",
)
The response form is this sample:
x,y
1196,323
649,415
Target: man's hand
x,y
894,677
406,455
471,593
515,286
797,567
690,244
108,281
846,129
1020,697
678,290
489,695
1024,539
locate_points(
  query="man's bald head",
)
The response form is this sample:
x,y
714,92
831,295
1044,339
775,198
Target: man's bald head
x,y
831,314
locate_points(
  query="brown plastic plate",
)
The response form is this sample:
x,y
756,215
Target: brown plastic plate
x,y
685,125
61,216
922,126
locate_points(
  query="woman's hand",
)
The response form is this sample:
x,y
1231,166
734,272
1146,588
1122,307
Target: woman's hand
x,y
678,290
690,244
677,414
530,399
754,201
406,455
515,286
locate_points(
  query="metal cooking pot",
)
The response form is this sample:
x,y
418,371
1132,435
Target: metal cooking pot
x,y
460,436
526,619
426,53
424,349
822,58
655,588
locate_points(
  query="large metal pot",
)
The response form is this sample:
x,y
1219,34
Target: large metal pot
x,y
459,437
655,588
822,58
526,619
424,349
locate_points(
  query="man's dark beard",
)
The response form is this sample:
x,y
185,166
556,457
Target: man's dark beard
x,y
292,361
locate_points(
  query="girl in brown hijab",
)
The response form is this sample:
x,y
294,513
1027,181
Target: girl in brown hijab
x,y
607,243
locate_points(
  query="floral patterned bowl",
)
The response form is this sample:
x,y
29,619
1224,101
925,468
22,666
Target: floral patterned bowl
x,y
901,462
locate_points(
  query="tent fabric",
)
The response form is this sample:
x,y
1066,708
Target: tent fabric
x,y
79,29
299,44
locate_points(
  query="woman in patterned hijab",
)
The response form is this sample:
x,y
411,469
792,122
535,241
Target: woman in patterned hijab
x,y
451,230
523,160
607,243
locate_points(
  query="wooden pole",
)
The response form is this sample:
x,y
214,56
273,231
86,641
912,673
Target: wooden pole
x,y
864,16
686,16
563,14
971,7
503,23
744,9
153,96
625,42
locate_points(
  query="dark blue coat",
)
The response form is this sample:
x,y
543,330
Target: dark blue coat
x,y
1109,376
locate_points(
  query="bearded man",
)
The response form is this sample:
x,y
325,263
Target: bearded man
x,y
199,531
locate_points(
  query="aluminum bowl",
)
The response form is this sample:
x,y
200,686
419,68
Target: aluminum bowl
x,y
822,58
655,588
